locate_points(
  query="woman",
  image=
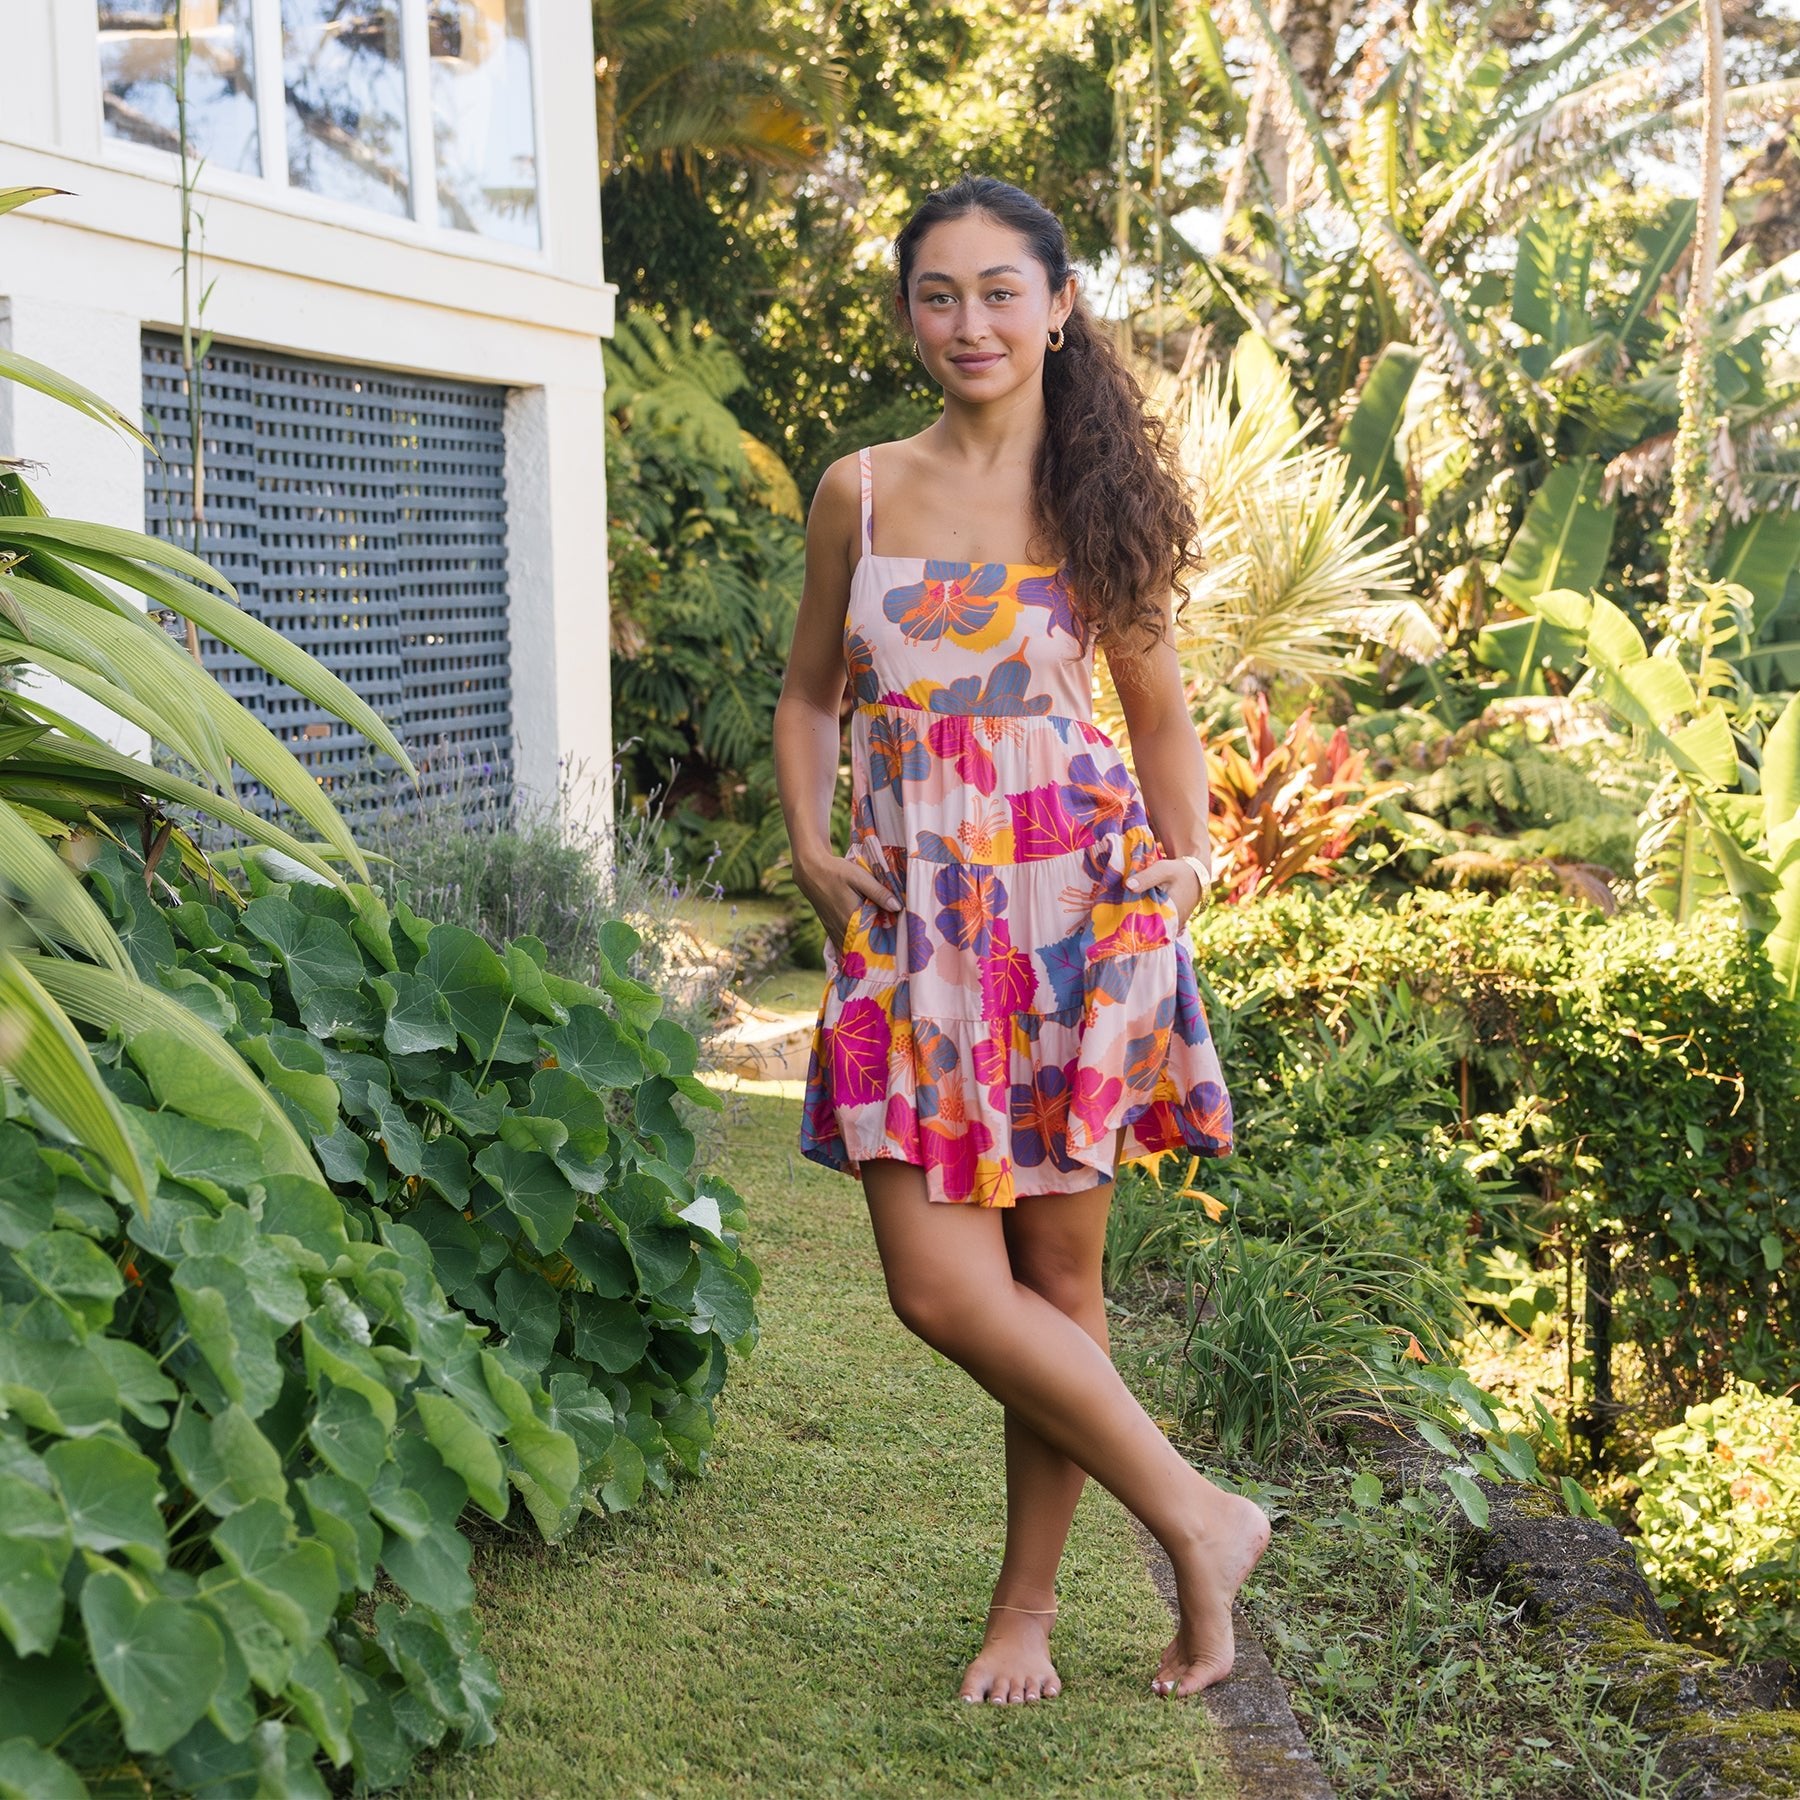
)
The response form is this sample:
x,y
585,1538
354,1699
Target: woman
x,y
1012,1005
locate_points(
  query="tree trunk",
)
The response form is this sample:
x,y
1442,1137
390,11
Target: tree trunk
x,y
1691,501
1309,29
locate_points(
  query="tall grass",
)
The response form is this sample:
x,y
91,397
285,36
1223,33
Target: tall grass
x,y
1288,1337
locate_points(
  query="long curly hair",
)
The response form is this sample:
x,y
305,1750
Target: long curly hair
x,y
1106,482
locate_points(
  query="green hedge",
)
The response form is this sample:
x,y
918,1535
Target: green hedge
x,y
239,1429
1641,1077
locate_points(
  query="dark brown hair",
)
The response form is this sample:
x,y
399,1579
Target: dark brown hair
x,y
1106,484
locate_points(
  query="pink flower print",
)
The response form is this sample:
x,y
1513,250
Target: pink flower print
x,y
1042,825
973,898
1092,1098
1008,979
896,754
902,1127
859,1053
954,740
989,1059
954,597
954,1148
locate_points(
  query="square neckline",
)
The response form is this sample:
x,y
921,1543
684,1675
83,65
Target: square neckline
x,y
866,472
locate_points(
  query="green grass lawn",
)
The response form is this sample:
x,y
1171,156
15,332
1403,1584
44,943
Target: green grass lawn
x,y
796,1623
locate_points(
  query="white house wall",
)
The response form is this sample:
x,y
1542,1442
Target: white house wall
x,y
82,276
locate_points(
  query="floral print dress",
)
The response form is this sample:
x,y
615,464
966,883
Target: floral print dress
x,y
1023,1002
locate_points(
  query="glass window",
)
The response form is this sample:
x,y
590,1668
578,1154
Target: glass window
x,y
481,119
346,101
137,76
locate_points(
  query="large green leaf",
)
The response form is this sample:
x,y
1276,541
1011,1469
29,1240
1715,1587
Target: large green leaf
x,y
1661,246
466,1449
1781,815
35,1545
1759,553
33,872
1367,440
43,1050
112,1495
157,686
159,1660
128,1007
96,775
1566,534
14,367
28,1772
119,555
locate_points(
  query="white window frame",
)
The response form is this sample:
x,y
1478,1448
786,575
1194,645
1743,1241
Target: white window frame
x,y
272,188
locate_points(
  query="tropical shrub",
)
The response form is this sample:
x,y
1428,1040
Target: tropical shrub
x,y
241,1426
1719,1520
1643,1079
1283,809
705,522
1291,1343
518,1285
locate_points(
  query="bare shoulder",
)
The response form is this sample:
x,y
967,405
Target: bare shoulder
x,y
841,482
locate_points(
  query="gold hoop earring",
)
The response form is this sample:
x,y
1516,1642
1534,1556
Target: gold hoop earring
x,y
917,352
1056,338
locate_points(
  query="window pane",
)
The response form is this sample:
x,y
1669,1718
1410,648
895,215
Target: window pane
x,y
481,118
137,75
346,101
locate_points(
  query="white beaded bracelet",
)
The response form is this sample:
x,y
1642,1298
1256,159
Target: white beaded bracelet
x,y
1198,864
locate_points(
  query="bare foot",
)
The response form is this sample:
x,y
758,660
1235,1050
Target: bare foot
x,y
1014,1664
1233,1534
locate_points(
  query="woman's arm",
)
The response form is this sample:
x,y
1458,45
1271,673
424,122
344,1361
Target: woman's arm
x,y
807,732
1169,759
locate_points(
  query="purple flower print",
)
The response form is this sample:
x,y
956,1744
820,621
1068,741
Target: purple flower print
x,y
1040,1120
1053,594
973,898
897,754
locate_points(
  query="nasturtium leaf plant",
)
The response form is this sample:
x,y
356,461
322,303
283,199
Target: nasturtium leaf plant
x,y
243,1418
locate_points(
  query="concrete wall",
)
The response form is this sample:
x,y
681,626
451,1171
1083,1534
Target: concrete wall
x,y
83,274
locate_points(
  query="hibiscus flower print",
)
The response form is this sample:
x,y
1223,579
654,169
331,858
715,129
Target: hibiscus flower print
x,y
1101,799
1040,1120
1092,1099
897,755
953,598
972,899
1052,593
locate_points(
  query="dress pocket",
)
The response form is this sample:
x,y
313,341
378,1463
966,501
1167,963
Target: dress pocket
x,y
856,927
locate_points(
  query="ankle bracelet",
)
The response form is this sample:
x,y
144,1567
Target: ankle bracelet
x,y
1040,1612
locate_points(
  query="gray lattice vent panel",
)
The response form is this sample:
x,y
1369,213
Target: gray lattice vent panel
x,y
362,514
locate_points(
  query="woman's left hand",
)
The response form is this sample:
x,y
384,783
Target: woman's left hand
x,y
1182,881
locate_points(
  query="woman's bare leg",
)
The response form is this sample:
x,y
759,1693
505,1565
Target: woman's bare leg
x,y
1055,1243
951,1282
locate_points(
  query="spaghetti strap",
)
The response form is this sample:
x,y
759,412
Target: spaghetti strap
x,y
867,472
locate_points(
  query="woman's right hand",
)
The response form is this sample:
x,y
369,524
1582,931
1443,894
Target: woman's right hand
x,y
837,889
